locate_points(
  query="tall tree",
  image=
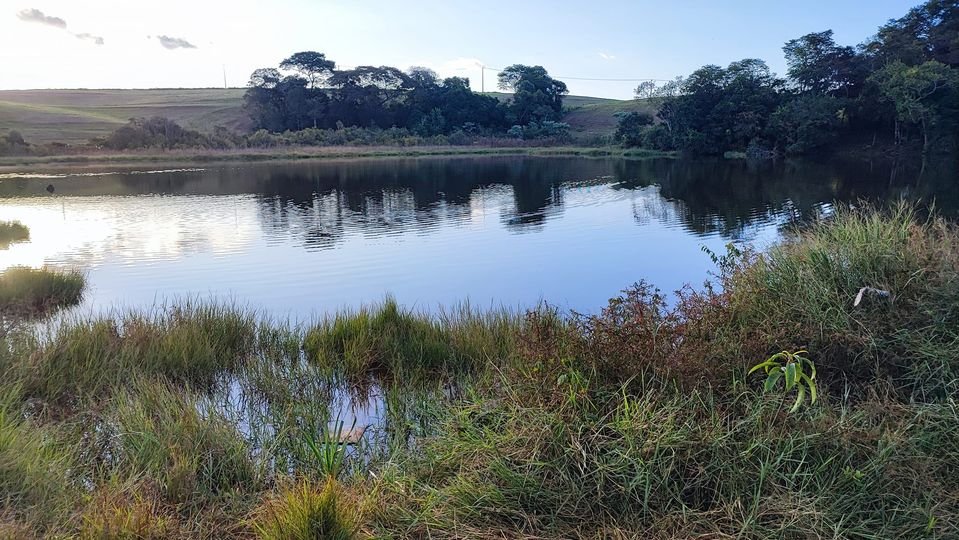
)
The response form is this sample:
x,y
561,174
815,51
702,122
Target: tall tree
x,y
924,95
816,64
311,65
536,95
926,32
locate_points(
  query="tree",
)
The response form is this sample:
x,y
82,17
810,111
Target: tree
x,y
722,108
816,64
923,95
926,32
645,90
631,127
423,77
806,123
311,65
536,95
265,78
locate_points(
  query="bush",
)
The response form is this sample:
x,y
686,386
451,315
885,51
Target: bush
x,y
155,132
630,128
801,294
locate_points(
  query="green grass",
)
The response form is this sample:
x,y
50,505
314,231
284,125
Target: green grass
x,y
12,232
200,421
305,511
76,116
31,291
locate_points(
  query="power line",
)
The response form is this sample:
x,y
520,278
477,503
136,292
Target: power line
x,y
594,79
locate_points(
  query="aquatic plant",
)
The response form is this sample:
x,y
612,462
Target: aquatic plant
x,y
12,232
29,291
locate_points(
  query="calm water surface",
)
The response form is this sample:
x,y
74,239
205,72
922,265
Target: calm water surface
x,y
302,239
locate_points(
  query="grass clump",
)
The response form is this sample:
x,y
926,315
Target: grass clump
x,y
129,510
35,470
190,344
12,232
194,458
306,510
390,343
28,291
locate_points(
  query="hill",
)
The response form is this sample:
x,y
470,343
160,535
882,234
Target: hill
x,y
76,116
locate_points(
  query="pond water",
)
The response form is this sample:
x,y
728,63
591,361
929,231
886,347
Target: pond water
x,y
302,239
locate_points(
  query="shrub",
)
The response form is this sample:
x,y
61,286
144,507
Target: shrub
x,y
630,128
155,132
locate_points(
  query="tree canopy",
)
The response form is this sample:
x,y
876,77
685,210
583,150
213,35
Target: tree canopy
x,y
307,90
900,85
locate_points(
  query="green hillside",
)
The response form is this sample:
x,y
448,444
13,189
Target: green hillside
x,y
76,116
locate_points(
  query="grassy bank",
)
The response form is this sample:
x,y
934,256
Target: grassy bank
x,y
17,163
640,421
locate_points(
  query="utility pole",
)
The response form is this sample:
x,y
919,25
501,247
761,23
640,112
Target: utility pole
x,y
483,79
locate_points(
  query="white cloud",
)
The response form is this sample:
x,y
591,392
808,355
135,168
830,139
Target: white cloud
x,y
606,56
34,15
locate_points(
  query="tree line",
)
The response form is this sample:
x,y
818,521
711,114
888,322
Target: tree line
x,y
900,86
307,90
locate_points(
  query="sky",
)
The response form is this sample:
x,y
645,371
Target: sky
x,y
191,43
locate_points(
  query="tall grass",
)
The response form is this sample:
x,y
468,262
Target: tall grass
x,y
28,291
12,232
190,344
306,510
203,420
387,342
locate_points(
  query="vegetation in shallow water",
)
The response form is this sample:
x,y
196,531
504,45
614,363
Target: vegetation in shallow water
x,y
640,420
12,232
29,291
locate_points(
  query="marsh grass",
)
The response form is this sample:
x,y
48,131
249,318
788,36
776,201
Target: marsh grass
x,y
389,343
191,344
640,420
12,232
31,292
305,510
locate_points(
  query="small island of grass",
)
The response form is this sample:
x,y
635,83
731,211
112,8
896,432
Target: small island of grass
x,y
12,232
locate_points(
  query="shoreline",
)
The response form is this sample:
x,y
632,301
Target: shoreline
x,y
11,164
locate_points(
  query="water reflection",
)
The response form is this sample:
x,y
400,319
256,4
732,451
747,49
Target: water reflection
x,y
309,236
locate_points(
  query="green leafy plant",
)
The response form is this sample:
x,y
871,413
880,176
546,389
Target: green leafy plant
x,y
328,450
797,371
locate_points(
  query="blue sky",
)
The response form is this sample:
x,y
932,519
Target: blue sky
x,y
600,39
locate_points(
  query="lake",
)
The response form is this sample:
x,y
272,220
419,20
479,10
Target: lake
x,y
301,239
